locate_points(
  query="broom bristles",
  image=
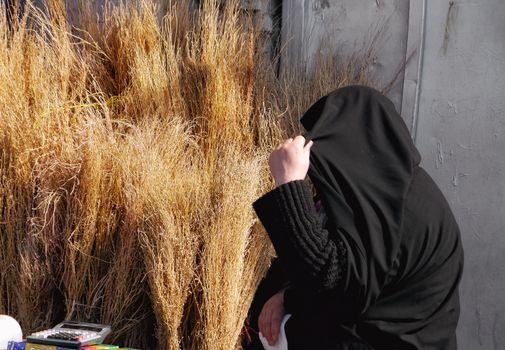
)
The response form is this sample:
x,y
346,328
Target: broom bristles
x,y
132,144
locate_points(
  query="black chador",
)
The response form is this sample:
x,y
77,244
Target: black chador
x,y
378,267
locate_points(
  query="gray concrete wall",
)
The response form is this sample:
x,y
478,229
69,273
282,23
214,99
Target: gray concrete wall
x,y
344,27
452,97
461,135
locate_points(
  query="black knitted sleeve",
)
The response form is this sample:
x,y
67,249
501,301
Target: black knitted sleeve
x,y
312,256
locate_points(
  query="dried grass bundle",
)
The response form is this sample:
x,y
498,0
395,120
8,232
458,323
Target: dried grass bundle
x,y
131,148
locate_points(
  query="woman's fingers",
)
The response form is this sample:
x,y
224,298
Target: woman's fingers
x,y
300,139
269,324
290,161
270,318
264,321
275,325
285,143
268,328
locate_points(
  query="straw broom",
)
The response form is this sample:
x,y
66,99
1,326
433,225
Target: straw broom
x,y
131,150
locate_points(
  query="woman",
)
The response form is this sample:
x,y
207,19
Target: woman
x,y
378,266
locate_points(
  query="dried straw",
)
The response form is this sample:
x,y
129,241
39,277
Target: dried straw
x,y
132,144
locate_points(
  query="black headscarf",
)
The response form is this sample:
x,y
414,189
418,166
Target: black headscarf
x,y
402,258
362,165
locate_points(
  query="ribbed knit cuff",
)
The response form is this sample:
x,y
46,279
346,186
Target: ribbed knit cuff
x,y
287,207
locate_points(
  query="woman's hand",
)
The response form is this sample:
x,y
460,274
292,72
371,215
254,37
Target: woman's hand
x,y
290,161
271,316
